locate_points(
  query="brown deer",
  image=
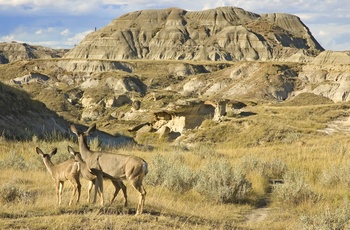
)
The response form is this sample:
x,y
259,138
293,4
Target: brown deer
x,y
92,178
114,166
68,170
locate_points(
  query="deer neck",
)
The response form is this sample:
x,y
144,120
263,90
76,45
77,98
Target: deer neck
x,y
84,149
49,166
78,159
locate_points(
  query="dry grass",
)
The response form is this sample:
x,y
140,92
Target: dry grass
x,y
279,142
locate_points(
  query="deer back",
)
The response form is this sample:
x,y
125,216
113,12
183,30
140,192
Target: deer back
x,y
66,169
120,166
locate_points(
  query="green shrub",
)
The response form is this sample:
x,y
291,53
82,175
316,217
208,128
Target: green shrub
x,y
294,190
219,181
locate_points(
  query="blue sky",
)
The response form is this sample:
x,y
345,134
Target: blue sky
x,y
64,23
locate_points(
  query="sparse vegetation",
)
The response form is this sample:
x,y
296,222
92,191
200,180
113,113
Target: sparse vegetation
x,y
215,177
294,190
328,218
222,183
196,186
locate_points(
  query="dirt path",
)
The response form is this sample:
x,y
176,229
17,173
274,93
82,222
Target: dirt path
x,y
258,215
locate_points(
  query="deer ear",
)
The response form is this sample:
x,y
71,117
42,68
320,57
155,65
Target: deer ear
x,y
53,152
71,150
91,129
74,129
38,151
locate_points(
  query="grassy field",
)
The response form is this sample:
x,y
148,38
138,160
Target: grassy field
x,y
222,182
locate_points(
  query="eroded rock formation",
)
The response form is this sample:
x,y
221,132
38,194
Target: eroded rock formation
x,y
225,33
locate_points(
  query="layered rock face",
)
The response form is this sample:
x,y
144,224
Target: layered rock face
x,y
14,51
224,33
328,75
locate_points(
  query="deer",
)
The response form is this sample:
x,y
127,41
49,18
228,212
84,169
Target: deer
x,y
114,166
92,178
67,170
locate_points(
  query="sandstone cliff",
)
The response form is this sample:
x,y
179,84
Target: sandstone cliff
x,y
225,33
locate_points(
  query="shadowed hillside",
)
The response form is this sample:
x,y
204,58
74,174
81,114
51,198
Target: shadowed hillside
x,y
22,117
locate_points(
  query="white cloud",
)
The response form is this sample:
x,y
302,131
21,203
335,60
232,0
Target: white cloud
x,y
322,33
39,32
32,7
72,41
65,32
331,36
45,37
7,38
64,22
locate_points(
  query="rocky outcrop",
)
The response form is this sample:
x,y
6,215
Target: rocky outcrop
x,y
96,66
244,80
225,33
328,75
332,58
30,78
14,51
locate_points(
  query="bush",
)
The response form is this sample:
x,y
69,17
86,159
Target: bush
x,y
221,183
179,178
336,175
270,170
295,190
9,193
171,173
338,218
15,161
156,176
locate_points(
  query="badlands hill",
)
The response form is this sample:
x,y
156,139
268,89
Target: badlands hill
x,y
14,51
165,72
225,33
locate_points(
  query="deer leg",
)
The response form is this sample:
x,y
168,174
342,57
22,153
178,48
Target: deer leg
x,y
91,184
137,184
116,190
142,199
96,190
73,193
79,188
59,187
76,188
122,185
99,187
